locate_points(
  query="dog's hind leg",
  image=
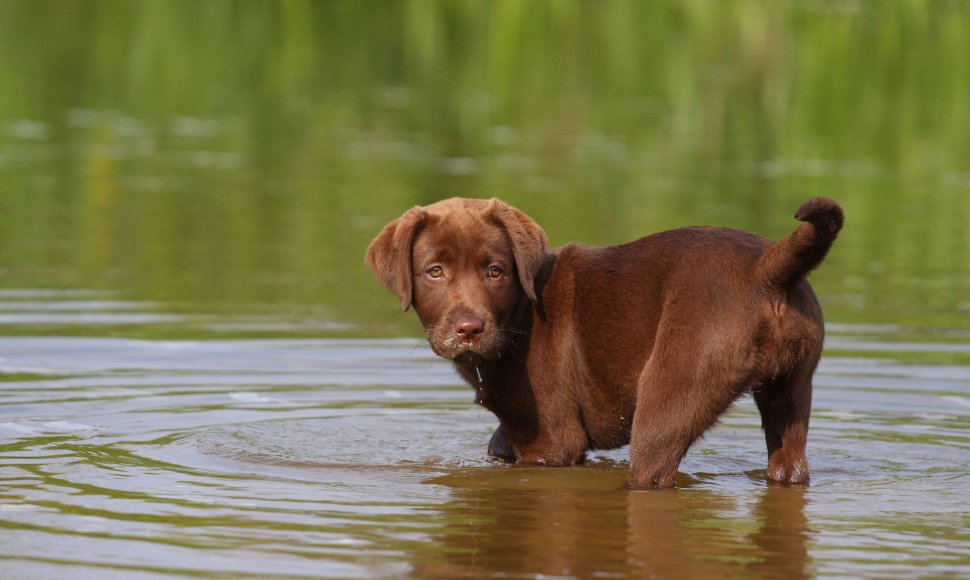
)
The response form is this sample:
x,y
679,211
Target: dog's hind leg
x,y
677,401
785,405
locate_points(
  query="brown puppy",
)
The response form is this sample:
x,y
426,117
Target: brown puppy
x,y
646,343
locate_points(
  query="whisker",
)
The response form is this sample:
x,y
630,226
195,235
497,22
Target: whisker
x,y
415,345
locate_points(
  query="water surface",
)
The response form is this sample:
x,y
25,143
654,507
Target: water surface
x,y
137,458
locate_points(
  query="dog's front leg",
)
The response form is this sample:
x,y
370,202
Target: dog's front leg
x,y
540,452
560,441
537,427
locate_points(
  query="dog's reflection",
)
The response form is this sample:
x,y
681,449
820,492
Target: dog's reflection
x,y
586,530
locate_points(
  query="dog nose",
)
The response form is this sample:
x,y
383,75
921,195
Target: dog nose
x,y
469,328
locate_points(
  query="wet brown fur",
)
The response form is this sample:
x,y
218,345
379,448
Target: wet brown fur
x,y
646,343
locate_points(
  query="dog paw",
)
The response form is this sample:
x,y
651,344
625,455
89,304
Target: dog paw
x,y
500,447
795,473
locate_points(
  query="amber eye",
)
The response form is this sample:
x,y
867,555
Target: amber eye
x,y
495,272
436,272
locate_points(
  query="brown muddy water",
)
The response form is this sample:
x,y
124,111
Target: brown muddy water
x,y
362,458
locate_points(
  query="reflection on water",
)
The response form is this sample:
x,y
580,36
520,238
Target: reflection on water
x,y
146,151
84,312
582,526
363,458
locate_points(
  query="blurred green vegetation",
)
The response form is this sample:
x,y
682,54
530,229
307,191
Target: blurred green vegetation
x,y
222,156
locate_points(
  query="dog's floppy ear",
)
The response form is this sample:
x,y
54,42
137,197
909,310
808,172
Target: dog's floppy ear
x,y
389,255
528,243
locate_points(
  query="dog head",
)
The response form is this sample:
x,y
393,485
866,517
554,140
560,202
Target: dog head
x,y
464,264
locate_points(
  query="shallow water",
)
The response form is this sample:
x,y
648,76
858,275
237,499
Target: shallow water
x,y
129,458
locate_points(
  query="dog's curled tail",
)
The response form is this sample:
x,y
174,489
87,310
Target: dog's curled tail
x,y
790,258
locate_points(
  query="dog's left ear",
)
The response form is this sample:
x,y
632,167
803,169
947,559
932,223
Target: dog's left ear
x,y
528,243
389,255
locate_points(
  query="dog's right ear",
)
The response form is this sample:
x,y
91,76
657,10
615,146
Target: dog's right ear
x,y
389,255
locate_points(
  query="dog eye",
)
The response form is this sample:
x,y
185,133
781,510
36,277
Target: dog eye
x,y
495,272
436,272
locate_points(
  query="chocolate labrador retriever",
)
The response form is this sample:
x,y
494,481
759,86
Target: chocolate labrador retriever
x,y
646,343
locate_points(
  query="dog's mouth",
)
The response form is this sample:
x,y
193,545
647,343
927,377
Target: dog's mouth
x,y
469,357
464,342
463,352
